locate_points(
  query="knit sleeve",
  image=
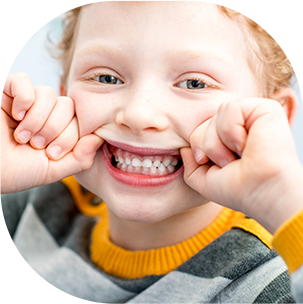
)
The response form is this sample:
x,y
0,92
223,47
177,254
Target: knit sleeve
x,y
11,209
288,242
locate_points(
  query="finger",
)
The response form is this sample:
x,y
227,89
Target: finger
x,y
78,160
196,141
194,174
231,126
7,122
189,161
210,180
37,115
58,120
206,144
6,104
214,148
18,95
65,142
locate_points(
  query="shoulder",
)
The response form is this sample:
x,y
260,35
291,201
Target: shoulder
x,y
43,199
14,204
242,268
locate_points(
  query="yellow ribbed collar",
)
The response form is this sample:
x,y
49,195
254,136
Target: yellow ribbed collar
x,y
128,264
136,264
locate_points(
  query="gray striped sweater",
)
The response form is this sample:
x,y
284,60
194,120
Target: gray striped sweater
x,y
54,237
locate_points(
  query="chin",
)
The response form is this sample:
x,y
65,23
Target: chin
x,y
143,207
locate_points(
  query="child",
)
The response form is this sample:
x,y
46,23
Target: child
x,y
172,109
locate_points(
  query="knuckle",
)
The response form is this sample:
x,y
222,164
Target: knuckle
x,y
194,138
68,141
231,106
210,148
27,99
47,90
22,76
224,128
51,130
65,99
36,122
222,106
67,104
273,105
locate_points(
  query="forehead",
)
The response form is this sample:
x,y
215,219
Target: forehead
x,y
159,26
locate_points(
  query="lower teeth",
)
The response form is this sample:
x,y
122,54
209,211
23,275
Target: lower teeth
x,y
156,171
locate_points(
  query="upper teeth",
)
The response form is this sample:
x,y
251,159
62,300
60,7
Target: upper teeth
x,y
147,163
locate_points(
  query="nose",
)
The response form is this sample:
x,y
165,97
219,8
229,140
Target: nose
x,y
143,111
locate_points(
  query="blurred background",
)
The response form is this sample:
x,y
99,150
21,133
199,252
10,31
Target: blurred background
x,y
24,28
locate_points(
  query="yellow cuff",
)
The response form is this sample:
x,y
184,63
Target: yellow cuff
x,y
288,242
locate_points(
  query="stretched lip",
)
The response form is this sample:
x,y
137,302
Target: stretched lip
x,y
144,151
137,180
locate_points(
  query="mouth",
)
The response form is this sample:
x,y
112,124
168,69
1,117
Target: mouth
x,y
141,167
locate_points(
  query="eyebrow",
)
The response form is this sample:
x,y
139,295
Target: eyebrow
x,y
103,49
108,50
188,55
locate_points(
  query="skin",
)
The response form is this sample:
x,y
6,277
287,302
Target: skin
x,y
151,108
146,110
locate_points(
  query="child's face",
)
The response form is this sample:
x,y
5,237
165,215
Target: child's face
x,y
170,65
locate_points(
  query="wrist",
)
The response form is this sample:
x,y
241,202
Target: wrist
x,y
287,200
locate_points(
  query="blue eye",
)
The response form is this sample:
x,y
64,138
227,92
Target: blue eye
x,y
108,79
192,84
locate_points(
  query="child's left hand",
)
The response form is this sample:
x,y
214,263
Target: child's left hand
x,y
247,161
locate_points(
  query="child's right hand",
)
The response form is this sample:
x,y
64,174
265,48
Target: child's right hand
x,y
265,183
40,143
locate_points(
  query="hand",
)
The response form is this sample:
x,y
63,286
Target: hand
x,y
39,136
246,160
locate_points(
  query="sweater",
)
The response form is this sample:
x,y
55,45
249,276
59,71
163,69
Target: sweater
x,y
62,233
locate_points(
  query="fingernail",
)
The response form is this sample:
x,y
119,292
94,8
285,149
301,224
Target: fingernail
x,y
198,154
21,115
55,151
39,141
223,163
24,135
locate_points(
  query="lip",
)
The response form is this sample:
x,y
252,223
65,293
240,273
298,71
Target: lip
x,y
144,151
136,179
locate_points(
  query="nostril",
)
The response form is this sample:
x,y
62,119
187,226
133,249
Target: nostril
x,y
150,129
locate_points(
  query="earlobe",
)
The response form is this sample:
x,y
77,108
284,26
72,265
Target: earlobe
x,y
289,101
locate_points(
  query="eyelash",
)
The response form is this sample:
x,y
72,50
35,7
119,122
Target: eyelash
x,y
208,85
95,75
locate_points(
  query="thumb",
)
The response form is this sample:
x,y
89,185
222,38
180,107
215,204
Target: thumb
x,y
85,150
81,158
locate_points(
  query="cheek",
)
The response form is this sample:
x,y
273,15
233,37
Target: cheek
x,y
93,110
193,115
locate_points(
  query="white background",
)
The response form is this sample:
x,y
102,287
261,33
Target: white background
x,y
24,26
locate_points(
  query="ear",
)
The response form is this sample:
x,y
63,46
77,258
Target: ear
x,y
63,90
289,101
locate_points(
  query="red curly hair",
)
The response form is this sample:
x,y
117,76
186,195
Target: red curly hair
x,y
265,57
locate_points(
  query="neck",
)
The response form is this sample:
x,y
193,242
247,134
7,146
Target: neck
x,y
178,228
